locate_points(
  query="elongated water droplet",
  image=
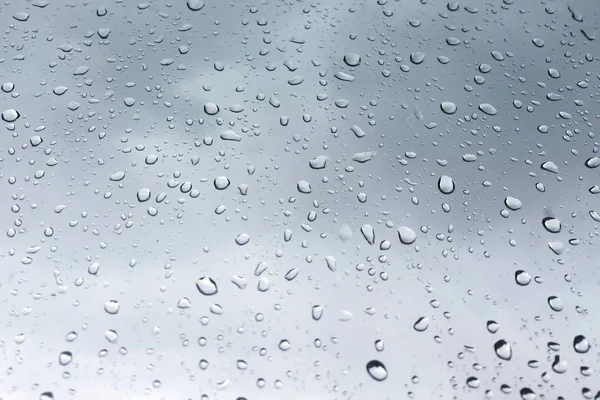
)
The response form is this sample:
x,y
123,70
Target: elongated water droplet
x,y
368,233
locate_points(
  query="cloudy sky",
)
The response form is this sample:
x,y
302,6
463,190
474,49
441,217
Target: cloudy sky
x,y
112,99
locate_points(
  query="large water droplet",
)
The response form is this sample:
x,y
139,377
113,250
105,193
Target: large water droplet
x,y
522,278
448,107
377,370
421,324
207,286
406,235
352,59
10,115
581,344
513,203
211,108
222,182
446,184
143,195
592,162
552,225
492,326
368,233
488,109
304,187
503,349
65,358
195,5
555,303
111,306
559,365
242,239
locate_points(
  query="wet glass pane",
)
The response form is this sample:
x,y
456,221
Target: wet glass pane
x,y
320,199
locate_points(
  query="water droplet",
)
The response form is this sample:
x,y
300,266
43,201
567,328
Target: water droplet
x,y
559,365
581,344
304,187
555,303
112,307
473,382
492,326
65,358
184,303
417,57
111,335
513,203
144,195
242,239
21,16
317,312
377,370
592,162
406,235
522,278
552,225
211,108
421,325
7,87
368,233
284,345
222,182
446,184
352,59
10,115
503,349
195,5
448,107
527,394
117,176
60,90
488,109
206,286
549,166
319,162
331,263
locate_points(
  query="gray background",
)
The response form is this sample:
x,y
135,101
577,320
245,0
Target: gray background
x,y
465,258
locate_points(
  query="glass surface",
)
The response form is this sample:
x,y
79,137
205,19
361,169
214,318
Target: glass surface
x,y
299,200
